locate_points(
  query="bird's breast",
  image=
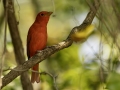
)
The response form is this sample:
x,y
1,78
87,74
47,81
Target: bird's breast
x,y
38,42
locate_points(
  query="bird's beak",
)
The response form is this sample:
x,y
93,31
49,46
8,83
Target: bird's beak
x,y
49,13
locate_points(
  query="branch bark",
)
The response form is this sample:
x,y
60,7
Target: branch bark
x,y
17,43
43,54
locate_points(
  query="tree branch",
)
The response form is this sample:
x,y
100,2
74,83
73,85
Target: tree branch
x,y
43,54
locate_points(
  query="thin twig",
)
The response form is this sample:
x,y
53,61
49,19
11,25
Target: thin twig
x,y
4,70
49,74
41,73
4,49
52,76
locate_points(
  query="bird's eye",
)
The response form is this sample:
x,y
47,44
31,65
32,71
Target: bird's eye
x,y
41,14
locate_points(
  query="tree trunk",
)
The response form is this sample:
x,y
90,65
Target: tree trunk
x,y
17,43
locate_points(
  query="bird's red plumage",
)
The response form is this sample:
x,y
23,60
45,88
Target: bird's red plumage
x,y
37,39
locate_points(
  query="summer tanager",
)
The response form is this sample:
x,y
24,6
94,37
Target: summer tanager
x,y
37,39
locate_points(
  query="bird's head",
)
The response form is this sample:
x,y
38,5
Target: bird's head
x,y
43,17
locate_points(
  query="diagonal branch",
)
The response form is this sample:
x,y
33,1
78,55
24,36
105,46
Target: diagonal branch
x,y
43,54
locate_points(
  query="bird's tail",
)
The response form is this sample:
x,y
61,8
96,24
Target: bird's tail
x,y
35,75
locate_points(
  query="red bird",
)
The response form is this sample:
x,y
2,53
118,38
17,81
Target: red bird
x,y
37,39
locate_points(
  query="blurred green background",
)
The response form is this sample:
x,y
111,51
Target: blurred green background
x,y
92,65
